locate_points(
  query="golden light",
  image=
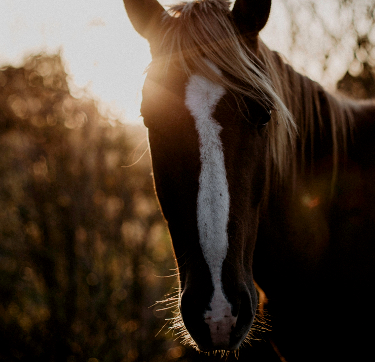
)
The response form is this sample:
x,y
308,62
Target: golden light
x,y
311,201
102,52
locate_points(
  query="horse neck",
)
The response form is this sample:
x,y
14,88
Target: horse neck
x,y
324,121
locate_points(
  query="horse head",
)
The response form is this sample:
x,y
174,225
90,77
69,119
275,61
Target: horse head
x,y
207,103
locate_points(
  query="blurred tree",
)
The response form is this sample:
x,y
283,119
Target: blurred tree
x,y
332,39
360,83
81,237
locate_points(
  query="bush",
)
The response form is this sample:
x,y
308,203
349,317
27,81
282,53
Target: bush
x,y
81,238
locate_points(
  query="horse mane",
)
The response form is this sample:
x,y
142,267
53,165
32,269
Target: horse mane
x,y
202,30
315,111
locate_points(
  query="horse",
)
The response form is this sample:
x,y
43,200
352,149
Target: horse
x,y
261,175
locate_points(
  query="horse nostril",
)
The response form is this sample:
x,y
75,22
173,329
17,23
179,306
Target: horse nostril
x,y
220,330
217,322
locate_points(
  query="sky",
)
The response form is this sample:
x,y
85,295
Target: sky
x,y
102,52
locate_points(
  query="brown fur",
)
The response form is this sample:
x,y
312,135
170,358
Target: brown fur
x,y
202,30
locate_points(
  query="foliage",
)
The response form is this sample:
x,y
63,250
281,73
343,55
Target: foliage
x,y
333,39
82,242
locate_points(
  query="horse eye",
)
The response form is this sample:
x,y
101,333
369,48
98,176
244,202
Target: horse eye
x,y
267,117
262,119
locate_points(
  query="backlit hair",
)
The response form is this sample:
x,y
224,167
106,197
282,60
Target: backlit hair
x,y
203,30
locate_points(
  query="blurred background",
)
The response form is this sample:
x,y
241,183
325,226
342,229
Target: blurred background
x,y
84,253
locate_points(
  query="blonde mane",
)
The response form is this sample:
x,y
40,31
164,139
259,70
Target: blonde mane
x,y
304,98
195,32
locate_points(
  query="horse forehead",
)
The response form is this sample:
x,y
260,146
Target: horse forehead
x,y
202,96
163,90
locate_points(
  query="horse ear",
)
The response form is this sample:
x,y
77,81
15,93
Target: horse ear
x,y
145,16
251,16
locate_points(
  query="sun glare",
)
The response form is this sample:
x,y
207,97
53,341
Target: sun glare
x,y
102,52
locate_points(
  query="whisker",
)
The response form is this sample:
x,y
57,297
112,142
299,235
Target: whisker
x,y
161,329
134,152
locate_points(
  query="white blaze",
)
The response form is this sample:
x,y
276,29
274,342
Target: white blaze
x,y
202,97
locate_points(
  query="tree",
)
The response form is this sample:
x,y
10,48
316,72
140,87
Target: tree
x,y
81,238
334,41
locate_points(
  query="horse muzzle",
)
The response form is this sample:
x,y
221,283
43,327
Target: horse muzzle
x,y
220,325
